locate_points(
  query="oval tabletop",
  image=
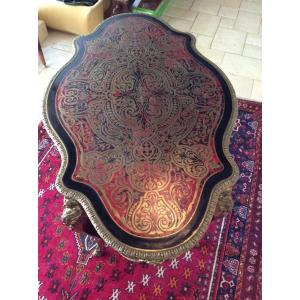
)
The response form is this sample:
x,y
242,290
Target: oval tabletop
x,y
142,122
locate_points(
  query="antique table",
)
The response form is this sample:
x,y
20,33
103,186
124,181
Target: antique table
x,y
142,121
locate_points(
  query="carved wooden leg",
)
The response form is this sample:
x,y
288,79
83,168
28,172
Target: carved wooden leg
x,y
71,213
225,203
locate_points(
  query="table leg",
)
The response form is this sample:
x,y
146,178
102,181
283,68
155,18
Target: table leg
x,y
72,212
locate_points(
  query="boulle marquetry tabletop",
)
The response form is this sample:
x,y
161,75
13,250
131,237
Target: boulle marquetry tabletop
x,y
142,122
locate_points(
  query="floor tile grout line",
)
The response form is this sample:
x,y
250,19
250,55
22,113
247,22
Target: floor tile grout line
x,y
176,17
259,58
239,10
67,51
222,59
215,34
251,12
193,2
218,14
252,89
181,19
190,8
195,19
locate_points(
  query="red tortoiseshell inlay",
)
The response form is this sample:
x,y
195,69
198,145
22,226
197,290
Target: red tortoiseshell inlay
x,y
142,113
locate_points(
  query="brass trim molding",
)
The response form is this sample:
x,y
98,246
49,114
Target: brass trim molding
x,y
132,253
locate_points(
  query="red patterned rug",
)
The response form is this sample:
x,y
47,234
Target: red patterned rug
x,y
225,265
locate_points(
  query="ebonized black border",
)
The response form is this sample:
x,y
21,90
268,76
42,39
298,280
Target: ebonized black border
x,y
115,230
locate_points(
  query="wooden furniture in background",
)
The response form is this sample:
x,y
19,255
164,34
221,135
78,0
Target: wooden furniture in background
x,y
41,54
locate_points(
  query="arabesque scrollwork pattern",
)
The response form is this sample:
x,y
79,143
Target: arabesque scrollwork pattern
x,y
143,113
141,100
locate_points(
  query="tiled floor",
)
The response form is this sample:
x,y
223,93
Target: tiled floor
x,y
228,32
